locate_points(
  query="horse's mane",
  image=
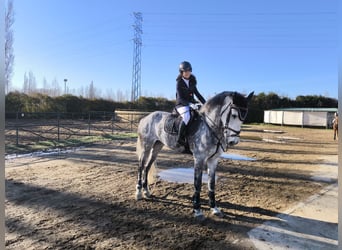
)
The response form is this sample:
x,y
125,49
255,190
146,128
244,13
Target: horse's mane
x,y
238,99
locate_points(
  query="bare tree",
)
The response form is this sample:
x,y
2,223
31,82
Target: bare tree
x,y
91,91
32,83
109,95
46,87
120,96
25,84
9,39
81,91
56,89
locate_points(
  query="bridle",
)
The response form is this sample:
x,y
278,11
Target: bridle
x,y
242,114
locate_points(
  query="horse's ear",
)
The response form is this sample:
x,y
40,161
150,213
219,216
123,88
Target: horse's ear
x,y
249,97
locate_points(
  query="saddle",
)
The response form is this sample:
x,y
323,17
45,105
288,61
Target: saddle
x,y
172,123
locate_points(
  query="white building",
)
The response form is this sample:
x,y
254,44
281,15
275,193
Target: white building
x,y
304,117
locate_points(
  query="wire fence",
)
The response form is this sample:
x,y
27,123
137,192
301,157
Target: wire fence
x,y
25,128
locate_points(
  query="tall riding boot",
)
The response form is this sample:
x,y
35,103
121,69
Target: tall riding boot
x,y
181,134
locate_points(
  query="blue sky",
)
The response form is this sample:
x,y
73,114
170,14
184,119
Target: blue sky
x,y
287,47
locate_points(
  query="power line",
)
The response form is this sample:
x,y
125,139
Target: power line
x,y
246,30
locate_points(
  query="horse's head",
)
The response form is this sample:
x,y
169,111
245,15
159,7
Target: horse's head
x,y
225,114
228,112
234,113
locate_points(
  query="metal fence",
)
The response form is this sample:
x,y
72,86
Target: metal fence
x,y
25,128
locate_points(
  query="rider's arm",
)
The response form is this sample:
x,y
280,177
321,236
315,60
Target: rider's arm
x,y
199,96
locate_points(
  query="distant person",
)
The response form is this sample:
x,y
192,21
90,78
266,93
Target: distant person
x,y
186,89
335,125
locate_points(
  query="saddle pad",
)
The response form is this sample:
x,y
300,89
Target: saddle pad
x,y
171,124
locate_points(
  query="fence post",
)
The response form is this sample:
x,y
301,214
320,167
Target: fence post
x,y
132,122
17,130
58,117
88,123
113,116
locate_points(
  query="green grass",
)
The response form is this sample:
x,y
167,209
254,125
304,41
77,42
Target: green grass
x,y
72,142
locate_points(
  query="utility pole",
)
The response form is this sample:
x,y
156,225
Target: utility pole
x,y
65,87
137,42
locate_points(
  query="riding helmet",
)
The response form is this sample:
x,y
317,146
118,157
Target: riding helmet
x,y
185,66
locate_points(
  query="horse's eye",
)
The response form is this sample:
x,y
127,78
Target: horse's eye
x,y
234,116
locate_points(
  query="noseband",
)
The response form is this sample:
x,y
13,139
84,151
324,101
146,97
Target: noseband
x,y
242,114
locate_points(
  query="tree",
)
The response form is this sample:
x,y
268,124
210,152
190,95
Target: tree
x,y
15,102
30,84
55,88
25,84
9,39
91,92
46,88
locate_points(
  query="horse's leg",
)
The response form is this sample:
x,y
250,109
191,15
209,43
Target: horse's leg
x,y
212,164
152,157
142,156
196,199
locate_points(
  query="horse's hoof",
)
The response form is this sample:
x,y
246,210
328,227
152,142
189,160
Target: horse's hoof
x,y
138,196
199,216
147,194
216,211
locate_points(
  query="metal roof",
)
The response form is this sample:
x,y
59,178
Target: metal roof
x,y
306,109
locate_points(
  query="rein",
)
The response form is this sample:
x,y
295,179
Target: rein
x,y
225,127
215,135
213,129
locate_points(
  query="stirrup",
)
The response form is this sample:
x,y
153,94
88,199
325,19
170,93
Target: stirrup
x,y
181,142
186,149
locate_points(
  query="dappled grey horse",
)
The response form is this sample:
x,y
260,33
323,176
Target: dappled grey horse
x,y
218,128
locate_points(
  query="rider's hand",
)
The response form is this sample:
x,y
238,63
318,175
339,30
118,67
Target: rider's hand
x,y
195,106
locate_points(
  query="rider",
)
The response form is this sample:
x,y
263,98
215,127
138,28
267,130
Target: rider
x,y
186,88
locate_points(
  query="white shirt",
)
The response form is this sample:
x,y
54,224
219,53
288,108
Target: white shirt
x,y
186,81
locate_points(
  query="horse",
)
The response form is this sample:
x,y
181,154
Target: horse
x,y
335,126
218,128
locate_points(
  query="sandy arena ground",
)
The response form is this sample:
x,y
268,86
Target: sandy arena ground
x,y
85,199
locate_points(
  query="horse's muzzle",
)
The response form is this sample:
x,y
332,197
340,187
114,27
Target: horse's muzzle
x,y
232,143
232,136
233,140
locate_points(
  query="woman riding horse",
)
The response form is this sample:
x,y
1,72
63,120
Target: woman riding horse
x,y
218,129
186,89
